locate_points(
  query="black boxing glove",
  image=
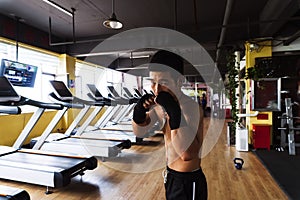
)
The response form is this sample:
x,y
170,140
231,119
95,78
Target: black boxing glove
x,y
172,107
139,112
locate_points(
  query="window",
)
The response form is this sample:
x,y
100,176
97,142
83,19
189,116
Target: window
x,y
101,77
47,64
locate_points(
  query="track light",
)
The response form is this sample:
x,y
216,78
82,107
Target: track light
x,y
113,22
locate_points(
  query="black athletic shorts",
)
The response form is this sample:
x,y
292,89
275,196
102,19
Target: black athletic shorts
x,y
185,185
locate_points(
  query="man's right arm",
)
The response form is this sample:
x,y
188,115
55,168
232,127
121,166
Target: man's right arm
x,y
143,119
141,129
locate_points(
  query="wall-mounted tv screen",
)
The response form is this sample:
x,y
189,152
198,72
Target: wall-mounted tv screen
x,y
19,74
266,94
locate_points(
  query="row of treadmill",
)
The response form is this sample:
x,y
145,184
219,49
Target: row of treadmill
x,y
53,159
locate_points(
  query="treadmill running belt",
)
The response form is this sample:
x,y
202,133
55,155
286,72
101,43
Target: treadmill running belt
x,y
56,171
42,160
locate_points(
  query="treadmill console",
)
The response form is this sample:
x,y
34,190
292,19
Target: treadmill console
x,y
7,91
138,92
94,92
61,90
126,90
112,90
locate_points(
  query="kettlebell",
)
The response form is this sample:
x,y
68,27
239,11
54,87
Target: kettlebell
x,y
238,163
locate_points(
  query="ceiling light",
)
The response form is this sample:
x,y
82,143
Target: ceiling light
x,y
58,7
113,22
131,68
139,56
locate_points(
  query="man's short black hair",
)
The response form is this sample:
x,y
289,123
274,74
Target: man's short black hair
x,y
166,60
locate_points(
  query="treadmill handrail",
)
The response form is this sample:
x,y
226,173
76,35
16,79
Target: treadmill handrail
x,y
122,100
103,100
26,101
65,103
75,102
14,110
125,101
133,100
86,102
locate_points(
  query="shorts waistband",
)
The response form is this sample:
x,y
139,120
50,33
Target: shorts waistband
x,y
186,175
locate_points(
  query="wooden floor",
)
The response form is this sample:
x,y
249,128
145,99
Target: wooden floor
x,y
136,174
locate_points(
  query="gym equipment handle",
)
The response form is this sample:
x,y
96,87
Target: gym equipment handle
x,y
65,103
10,110
43,104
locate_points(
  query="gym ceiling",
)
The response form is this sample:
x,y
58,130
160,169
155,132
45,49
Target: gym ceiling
x,y
218,25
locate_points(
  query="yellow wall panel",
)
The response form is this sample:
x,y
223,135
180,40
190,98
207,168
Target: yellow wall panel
x,y
264,50
12,125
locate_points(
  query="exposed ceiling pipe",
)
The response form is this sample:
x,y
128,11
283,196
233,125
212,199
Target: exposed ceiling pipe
x,y
277,9
195,14
73,24
175,15
249,23
73,32
73,35
17,36
223,30
292,38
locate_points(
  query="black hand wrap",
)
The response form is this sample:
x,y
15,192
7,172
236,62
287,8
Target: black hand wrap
x,y
172,107
139,112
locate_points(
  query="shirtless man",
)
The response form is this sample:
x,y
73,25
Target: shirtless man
x,y
183,127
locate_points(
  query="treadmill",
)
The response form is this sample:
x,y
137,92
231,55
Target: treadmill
x,y
126,109
99,131
34,166
122,119
5,191
113,113
69,143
